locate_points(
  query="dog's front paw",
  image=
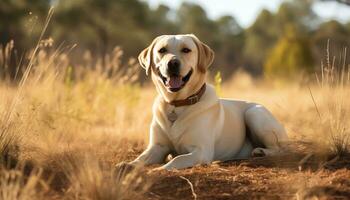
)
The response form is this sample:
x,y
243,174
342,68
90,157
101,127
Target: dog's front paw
x,y
122,169
125,166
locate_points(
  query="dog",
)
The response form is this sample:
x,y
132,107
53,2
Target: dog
x,y
189,121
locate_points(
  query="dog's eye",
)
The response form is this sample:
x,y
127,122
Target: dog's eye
x,y
162,50
186,50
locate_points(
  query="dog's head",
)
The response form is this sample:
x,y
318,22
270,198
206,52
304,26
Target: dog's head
x,y
178,64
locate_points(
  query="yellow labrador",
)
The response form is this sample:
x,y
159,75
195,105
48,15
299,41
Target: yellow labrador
x,y
189,120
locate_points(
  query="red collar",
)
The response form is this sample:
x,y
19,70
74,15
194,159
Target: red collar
x,y
191,99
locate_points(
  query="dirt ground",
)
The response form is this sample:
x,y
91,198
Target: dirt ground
x,y
291,176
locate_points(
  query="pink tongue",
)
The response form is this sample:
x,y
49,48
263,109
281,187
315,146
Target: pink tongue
x,y
175,82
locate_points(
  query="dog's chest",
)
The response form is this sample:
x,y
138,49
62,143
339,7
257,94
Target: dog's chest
x,y
175,125
173,113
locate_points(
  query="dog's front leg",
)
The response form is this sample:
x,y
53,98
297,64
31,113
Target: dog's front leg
x,y
154,154
186,160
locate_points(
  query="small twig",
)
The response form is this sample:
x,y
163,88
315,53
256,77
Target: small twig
x,y
191,186
313,100
222,169
333,160
304,160
156,195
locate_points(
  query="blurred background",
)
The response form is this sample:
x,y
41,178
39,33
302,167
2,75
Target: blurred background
x,y
261,37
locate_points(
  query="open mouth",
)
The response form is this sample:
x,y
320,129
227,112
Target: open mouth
x,y
175,83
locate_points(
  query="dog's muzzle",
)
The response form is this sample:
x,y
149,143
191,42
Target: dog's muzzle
x,y
175,82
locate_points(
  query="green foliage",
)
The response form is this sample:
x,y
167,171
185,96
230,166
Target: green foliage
x,y
193,19
297,12
290,57
228,25
69,77
229,44
263,35
217,82
259,39
101,25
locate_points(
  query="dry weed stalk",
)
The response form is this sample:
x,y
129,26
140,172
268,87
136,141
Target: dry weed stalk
x,y
334,86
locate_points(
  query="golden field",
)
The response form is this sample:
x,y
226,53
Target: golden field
x,y
63,127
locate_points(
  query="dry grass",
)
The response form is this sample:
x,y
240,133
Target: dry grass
x,y
71,123
64,126
14,185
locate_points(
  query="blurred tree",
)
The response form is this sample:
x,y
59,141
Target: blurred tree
x,y
337,33
230,44
228,25
101,25
259,39
160,22
22,21
193,19
223,35
299,13
268,27
290,57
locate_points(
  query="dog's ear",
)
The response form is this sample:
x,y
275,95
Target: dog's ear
x,y
205,54
146,56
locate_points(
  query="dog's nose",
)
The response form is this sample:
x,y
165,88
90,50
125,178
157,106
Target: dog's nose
x,y
174,67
